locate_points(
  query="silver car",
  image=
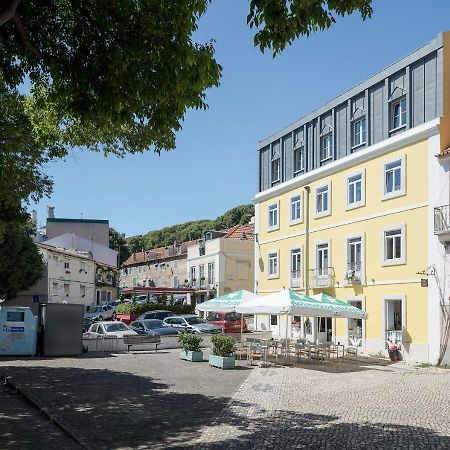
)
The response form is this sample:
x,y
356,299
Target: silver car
x,y
101,313
192,324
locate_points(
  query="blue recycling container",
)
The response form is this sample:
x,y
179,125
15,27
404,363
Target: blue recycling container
x,y
18,331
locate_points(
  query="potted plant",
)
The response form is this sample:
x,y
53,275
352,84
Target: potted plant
x,y
190,347
222,352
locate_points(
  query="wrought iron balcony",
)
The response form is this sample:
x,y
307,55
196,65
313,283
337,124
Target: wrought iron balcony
x,y
322,277
442,219
296,280
353,273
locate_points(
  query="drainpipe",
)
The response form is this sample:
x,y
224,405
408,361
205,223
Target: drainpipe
x,y
307,191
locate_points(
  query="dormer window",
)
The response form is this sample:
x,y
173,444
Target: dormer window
x,y
326,149
398,114
276,164
299,158
208,236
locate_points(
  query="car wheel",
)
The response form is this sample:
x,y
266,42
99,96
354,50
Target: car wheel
x,y
100,317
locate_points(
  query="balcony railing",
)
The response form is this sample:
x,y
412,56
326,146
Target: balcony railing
x,y
353,274
442,219
322,277
296,280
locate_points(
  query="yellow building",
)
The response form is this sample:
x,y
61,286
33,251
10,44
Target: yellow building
x,y
352,202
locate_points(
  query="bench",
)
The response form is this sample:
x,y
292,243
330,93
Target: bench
x,y
130,340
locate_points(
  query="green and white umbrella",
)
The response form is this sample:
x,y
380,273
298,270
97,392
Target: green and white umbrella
x,y
227,302
290,302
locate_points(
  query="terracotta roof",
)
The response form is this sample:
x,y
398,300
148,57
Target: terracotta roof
x,y
241,231
157,253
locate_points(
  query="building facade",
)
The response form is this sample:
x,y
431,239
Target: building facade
x,y
163,267
221,263
69,277
346,204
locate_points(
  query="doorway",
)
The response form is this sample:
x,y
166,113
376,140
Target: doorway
x,y
355,327
324,329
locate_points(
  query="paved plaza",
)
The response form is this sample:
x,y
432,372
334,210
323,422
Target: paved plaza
x,y
148,400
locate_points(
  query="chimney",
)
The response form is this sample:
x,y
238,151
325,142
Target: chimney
x,y
34,217
51,212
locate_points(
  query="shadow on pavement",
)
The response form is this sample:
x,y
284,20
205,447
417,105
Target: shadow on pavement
x,y
290,430
107,409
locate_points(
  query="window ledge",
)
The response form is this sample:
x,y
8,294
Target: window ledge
x,y
393,195
393,262
275,228
362,144
295,222
393,130
299,172
273,277
322,214
355,205
329,158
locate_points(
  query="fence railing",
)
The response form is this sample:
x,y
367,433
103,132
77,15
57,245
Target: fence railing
x,y
296,278
322,277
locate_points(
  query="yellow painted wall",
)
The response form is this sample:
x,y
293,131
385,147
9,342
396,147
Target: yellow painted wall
x,y
410,210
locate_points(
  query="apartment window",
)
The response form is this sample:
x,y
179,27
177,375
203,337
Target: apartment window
x,y
66,289
201,274
273,216
208,236
108,296
398,114
355,190
393,178
359,132
296,267
276,165
175,264
82,266
211,273
66,265
202,250
326,148
175,281
299,159
55,288
55,260
322,257
323,200
296,209
193,274
354,259
273,265
273,320
394,245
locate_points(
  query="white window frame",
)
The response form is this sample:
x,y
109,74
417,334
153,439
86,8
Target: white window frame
x,y
329,154
211,274
362,202
348,238
385,299
391,114
270,254
326,212
402,190
275,157
300,219
319,244
361,141
301,151
395,261
277,226
300,249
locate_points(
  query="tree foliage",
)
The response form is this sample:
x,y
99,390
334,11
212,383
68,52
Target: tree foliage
x,y
118,242
21,263
280,22
191,230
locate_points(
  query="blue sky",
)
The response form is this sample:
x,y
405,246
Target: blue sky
x,y
214,165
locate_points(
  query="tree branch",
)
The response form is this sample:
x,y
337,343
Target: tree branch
x,y
8,13
24,37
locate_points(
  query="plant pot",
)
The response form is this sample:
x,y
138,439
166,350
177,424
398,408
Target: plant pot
x,y
191,356
127,318
223,362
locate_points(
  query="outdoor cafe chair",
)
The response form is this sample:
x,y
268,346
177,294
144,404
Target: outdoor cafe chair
x,y
254,351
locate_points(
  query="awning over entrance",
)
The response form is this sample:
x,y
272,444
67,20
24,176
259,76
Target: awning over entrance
x,y
227,302
290,302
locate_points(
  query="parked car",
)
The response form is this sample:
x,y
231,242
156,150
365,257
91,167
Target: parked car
x,y
160,314
101,313
86,324
143,299
118,329
153,326
229,322
114,303
192,324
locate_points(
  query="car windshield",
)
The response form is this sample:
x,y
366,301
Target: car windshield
x,y
232,316
154,323
194,320
96,310
115,327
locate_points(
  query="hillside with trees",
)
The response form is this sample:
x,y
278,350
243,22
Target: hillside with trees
x,y
190,230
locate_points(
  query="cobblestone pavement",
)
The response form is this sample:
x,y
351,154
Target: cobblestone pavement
x,y
375,407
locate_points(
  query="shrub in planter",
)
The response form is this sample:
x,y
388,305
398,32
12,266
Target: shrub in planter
x,y
222,352
190,347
